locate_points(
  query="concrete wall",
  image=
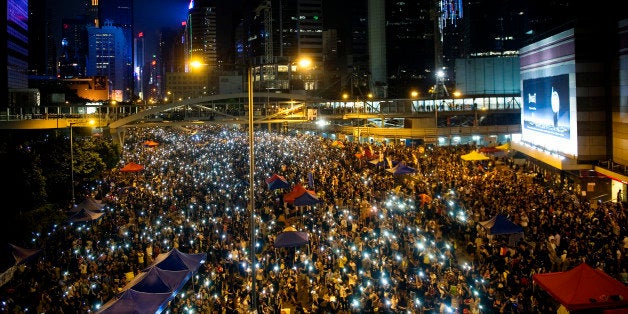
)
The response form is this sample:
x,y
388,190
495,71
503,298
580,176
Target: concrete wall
x,y
620,91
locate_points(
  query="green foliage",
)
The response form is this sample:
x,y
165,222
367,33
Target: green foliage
x,y
40,219
88,164
108,151
37,175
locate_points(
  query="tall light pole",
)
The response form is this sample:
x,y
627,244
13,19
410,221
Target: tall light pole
x,y
252,191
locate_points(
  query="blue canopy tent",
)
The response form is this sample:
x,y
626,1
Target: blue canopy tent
x,y
401,168
500,225
157,280
277,182
174,260
85,215
136,302
151,291
21,255
89,204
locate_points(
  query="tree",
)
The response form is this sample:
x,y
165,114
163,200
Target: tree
x,y
37,175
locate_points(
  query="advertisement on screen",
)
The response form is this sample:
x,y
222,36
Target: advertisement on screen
x,y
546,106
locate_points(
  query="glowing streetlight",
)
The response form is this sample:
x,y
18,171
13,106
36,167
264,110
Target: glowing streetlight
x,y
304,62
345,96
196,64
440,74
414,94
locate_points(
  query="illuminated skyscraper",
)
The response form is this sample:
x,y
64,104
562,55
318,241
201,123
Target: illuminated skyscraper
x,y
73,48
119,13
138,65
201,33
17,44
107,49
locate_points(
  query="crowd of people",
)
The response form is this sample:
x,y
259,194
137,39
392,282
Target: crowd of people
x,y
378,242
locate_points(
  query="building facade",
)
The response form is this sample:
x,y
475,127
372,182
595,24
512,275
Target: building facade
x,y
74,46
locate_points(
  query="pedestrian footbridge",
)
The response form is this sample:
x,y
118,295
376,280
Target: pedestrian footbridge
x,y
426,119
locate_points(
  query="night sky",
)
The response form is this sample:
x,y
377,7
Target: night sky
x,y
153,15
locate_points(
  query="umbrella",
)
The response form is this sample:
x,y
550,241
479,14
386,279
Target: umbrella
x,y
150,143
425,199
290,237
338,144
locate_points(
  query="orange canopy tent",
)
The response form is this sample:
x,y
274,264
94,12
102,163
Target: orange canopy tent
x,y
132,167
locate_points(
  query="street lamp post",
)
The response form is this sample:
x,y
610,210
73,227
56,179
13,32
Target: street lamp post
x,y
72,161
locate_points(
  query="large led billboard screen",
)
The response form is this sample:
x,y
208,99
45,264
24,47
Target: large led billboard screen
x,y
546,106
548,114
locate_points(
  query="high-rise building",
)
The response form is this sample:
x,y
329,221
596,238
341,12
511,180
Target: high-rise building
x,y
42,54
350,69
275,36
106,56
377,47
73,48
119,13
138,65
201,33
17,44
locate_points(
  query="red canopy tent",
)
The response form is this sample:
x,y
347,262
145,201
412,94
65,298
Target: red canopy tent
x,y
132,167
584,288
